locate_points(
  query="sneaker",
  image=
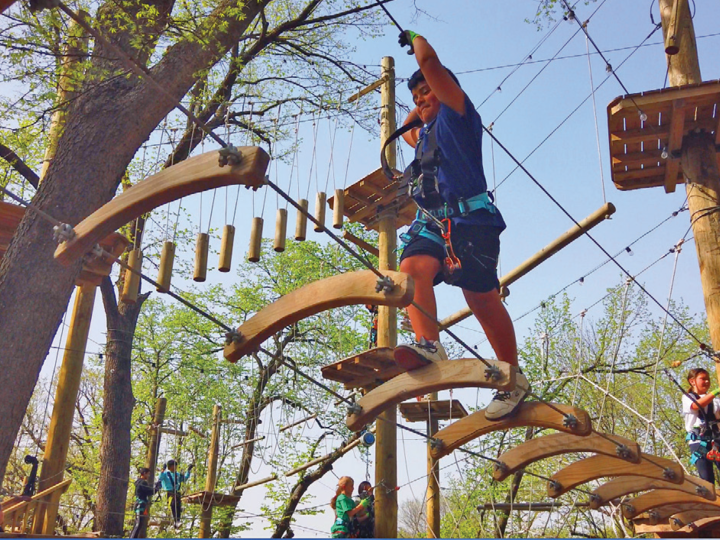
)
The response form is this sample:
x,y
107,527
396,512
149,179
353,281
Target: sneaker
x,y
417,355
505,403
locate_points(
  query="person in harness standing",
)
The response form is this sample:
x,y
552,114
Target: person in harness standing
x,y
701,410
143,492
171,482
456,235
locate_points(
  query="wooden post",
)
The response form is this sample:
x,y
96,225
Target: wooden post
x,y
210,479
432,497
152,452
53,465
386,442
699,164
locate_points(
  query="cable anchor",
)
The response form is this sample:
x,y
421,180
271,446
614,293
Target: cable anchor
x,y
623,452
63,232
701,491
493,373
354,408
229,155
436,444
501,467
668,473
384,284
233,337
570,421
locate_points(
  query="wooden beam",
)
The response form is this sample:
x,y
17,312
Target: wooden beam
x,y
700,524
619,487
151,457
194,175
336,291
659,498
344,450
206,512
362,244
245,443
373,86
575,232
596,467
301,421
528,507
270,478
656,97
564,443
465,373
529,413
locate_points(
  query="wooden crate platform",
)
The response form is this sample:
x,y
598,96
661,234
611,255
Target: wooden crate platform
x,y
366,199
364,370
636,146
216,499
417,411
92,271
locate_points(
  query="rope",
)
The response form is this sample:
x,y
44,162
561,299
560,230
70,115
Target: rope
x,y
597,129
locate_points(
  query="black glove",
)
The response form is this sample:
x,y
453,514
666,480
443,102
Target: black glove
x,y
158,485
190,467
407,37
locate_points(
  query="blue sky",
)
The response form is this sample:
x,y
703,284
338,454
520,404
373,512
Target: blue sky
x,y
478,40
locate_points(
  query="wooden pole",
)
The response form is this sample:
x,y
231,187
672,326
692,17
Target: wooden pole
x,y
152,452
56,449
210,479
699,164
386,442
432,497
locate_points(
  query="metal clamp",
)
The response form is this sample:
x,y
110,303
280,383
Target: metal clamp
x,y
354,409
229,156
653,516
554,486
384,284
436,444
233,337
501,467
595,498
570,422
623,452
493,373
668,473
63,233
701,490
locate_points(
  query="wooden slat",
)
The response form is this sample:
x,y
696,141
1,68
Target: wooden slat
x,y
691,92
417,411
678,521
677,130
596,467
378,363
562,443
661,514
336,291
465,373
659,498
619,487
194,175
529,413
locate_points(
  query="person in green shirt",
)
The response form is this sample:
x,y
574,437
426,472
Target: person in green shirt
x,y
345,508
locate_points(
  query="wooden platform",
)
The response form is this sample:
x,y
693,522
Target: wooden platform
x,y
636,146
216,499
419,411
364,370
366,199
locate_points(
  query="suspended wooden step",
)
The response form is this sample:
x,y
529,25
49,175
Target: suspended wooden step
x,y
226,248
202,247
338,208
595,467
659,498
626,485
167,259
280,230
646,153
373,195
255,239
683,519
662,514
465,373
301,221
131,285
364,370
320,209
207,498
342,290
528,414
564,443
422,411
193,175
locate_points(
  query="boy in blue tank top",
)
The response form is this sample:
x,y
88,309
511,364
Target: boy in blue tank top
x,y
449,151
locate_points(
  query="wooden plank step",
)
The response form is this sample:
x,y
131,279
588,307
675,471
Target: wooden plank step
x,y
420,411
364,370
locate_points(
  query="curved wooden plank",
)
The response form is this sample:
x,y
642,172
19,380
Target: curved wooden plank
x,y
530,413
465,373
596,467
619,487
564,443
193,175
659,498
659,515
683,519
336,291
700,524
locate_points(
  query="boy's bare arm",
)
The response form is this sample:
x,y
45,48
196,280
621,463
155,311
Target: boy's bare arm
x,y
437,77
411,137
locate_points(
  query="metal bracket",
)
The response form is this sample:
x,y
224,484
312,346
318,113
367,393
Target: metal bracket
x,y
653,515
701,490
571,422
501,467
630,507
229,156
63,233
595,498
668,473
354,409
436,444
384,284
554,485
493,373
233,337
623,452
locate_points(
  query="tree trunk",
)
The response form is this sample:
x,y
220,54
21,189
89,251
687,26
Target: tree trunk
x,y
118,402
514,487
104,129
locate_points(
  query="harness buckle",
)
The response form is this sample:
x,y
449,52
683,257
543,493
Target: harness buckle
x,y
463,207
